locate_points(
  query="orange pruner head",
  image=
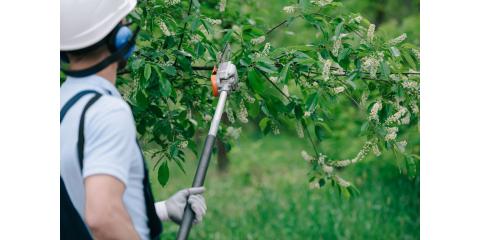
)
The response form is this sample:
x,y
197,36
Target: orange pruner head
x,y
213,79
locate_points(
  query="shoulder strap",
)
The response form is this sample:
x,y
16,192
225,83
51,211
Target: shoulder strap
x,y
81,128
72,102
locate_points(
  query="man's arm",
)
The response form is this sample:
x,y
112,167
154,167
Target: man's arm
x,y
105,213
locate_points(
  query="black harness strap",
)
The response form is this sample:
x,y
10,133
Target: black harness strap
x,y
81,130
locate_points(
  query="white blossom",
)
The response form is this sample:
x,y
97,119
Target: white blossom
x,y
410,85
370,64
196,38
171,2
377,106
273,79
363,152
406,119
327,169
249,98
289,9
164,28
336,46
370,32
391,133
243,114
376,150
230,116
342,182
207,117
202,29
321,158
398,39
222,5
275,129
256,41
233,132
307,114
326,69
306,156
401,145
183,144
396,116
321,3
417,53
299,128
338,90
314,185
214,21
342,163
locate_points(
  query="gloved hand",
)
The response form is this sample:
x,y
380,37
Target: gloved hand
x,y
173,208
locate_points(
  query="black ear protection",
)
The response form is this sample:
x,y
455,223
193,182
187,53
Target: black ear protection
x,y
120,42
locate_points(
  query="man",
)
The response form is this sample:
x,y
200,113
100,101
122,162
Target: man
x,y
102,167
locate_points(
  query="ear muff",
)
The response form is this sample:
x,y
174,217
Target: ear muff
x,y
118,38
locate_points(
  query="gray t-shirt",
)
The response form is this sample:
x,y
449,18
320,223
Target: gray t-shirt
x,y
110,146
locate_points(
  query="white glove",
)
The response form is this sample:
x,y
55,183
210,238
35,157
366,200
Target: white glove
x,y
173,208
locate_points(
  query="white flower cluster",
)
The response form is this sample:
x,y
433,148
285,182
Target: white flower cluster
x,y
306,156
410,85
336,46
417,53
289,9
171,2
370,65
275,129
356,19
327,169
414,107
214,21
338,90
230,116
222,5
299,128
195,38
342,182
395,118
256,41
307,114
370,32
202,29
243,114
207,117
377,106
233,132
398,39
376,150
273,79
391,133
183,144
326,69
314,185
265,51
249,98
164,28
401,145
360,156
321,3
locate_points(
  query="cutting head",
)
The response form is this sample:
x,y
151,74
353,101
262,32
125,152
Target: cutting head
x,y
226,77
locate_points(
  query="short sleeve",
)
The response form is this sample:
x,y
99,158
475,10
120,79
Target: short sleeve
x,y
110,139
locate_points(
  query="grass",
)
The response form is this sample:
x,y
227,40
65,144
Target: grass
x,y
265,195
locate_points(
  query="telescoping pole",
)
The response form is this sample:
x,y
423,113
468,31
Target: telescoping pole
x,y
203,164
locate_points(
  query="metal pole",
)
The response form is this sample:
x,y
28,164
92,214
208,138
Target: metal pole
x,y
202,168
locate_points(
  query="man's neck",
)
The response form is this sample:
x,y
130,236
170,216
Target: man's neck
x,y
109,73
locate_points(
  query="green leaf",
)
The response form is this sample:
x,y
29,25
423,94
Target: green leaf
x,y
147,71
141,100
165,86
163,174
266,65
170,70
312,102
284,74
263,123
255,82
395,52
385,70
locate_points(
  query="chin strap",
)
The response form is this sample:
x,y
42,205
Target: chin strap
x,y
105,62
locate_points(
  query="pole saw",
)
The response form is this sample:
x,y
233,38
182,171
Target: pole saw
x,y
223,81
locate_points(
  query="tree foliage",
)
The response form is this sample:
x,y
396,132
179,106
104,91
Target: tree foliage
x,y
167,81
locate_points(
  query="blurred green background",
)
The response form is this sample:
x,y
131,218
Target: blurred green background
x,y
264,193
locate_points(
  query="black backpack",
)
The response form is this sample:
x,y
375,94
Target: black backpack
x,y
72,226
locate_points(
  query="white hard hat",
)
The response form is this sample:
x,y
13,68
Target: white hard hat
x,y
86,22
